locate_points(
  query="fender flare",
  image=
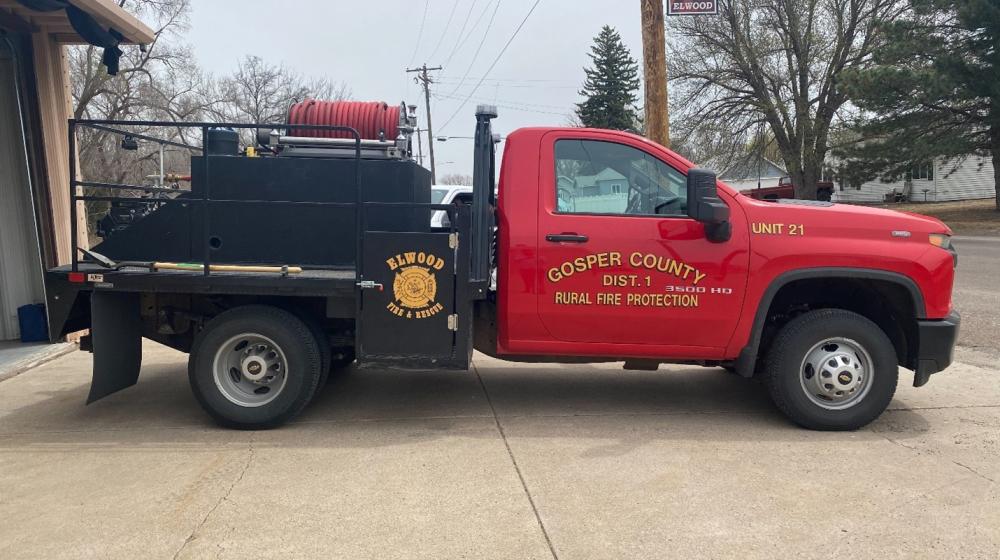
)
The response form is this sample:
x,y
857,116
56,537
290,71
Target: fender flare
x,y
747,360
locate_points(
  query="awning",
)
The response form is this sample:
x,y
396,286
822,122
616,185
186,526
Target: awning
x,y
95,22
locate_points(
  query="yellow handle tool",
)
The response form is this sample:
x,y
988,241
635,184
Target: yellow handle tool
x,y
226,268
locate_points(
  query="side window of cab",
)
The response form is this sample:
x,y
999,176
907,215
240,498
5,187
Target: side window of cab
x,y
599,177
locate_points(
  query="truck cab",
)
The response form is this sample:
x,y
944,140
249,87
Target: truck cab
x,y
620,263
594,246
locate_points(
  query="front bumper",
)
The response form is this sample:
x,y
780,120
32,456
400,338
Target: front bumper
x,y
936,344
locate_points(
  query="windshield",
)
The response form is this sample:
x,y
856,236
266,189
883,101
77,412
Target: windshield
x,y
437,195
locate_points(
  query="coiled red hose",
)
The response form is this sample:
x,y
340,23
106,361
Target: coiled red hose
x,y
370,118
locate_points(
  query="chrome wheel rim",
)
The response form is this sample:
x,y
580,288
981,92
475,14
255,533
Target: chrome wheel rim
x,y
836,373
250,370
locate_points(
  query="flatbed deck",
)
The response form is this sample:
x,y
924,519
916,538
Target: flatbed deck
x,y
323,283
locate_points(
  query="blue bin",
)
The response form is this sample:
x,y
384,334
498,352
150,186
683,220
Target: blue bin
x,y
34,327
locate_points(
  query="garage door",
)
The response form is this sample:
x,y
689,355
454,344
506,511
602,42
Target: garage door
x,y
20,271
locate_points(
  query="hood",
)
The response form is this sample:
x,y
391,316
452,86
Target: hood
x,y
846,216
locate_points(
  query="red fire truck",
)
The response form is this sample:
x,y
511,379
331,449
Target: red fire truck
x,y
287,262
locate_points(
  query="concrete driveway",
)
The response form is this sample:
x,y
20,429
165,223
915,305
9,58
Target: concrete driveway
x,y
509,461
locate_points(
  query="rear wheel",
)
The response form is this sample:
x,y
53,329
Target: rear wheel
x,y
325,351
831,370
254,367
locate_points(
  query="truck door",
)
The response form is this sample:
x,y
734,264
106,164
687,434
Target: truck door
x,y
619,260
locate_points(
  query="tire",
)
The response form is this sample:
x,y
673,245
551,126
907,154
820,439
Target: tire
x,y
325,352
254,341
803,383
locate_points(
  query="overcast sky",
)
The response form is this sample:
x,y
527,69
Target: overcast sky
x,y
370,44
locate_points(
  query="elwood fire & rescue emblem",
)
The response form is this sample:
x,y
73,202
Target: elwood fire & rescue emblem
x,y
414,288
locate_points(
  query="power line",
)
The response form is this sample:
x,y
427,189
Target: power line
x,y
515,80
480,47
458,38
493,65
515,86
445,30
515,107
420,33
472,29
509,102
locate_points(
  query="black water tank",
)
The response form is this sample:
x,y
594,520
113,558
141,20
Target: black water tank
x,y
222,142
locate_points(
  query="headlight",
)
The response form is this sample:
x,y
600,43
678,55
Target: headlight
x,y
940,240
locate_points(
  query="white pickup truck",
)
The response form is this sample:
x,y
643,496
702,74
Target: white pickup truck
x,y
448,194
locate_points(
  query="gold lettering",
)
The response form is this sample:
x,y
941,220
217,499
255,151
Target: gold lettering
x,y
767,229
609,299
572,298
662,300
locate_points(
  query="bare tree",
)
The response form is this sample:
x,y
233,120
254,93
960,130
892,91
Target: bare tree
x,y
158,82
163,82
774,63
261,92
455,179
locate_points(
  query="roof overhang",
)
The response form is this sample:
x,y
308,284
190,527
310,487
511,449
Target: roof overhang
x,y
19,17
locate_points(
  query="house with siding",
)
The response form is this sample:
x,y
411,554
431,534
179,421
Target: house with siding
x,y
595,193
939,180
752,173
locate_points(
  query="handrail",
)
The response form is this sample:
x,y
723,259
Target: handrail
x,y
107,124
361,206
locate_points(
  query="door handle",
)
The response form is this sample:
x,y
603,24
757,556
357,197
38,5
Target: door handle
x,y
566,238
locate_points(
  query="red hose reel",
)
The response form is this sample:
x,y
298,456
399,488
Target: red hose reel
x,y
374,120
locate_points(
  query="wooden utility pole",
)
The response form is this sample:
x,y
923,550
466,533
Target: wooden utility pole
x,y
425,81
654,66
420,147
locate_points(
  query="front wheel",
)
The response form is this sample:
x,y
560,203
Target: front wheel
x,y
255,367
831,369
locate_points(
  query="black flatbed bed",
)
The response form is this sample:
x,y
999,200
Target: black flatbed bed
x,y
323,283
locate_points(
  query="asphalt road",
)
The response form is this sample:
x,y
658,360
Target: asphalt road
x,y
977,293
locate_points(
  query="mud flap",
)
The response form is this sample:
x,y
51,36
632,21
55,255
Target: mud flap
x,y
116,334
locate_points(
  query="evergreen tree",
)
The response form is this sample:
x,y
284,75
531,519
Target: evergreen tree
x,y
611,85
934,90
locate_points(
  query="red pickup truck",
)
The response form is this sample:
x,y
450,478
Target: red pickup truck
x,y
786,190
595,246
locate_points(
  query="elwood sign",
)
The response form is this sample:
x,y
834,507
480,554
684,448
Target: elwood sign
x,y
692,7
